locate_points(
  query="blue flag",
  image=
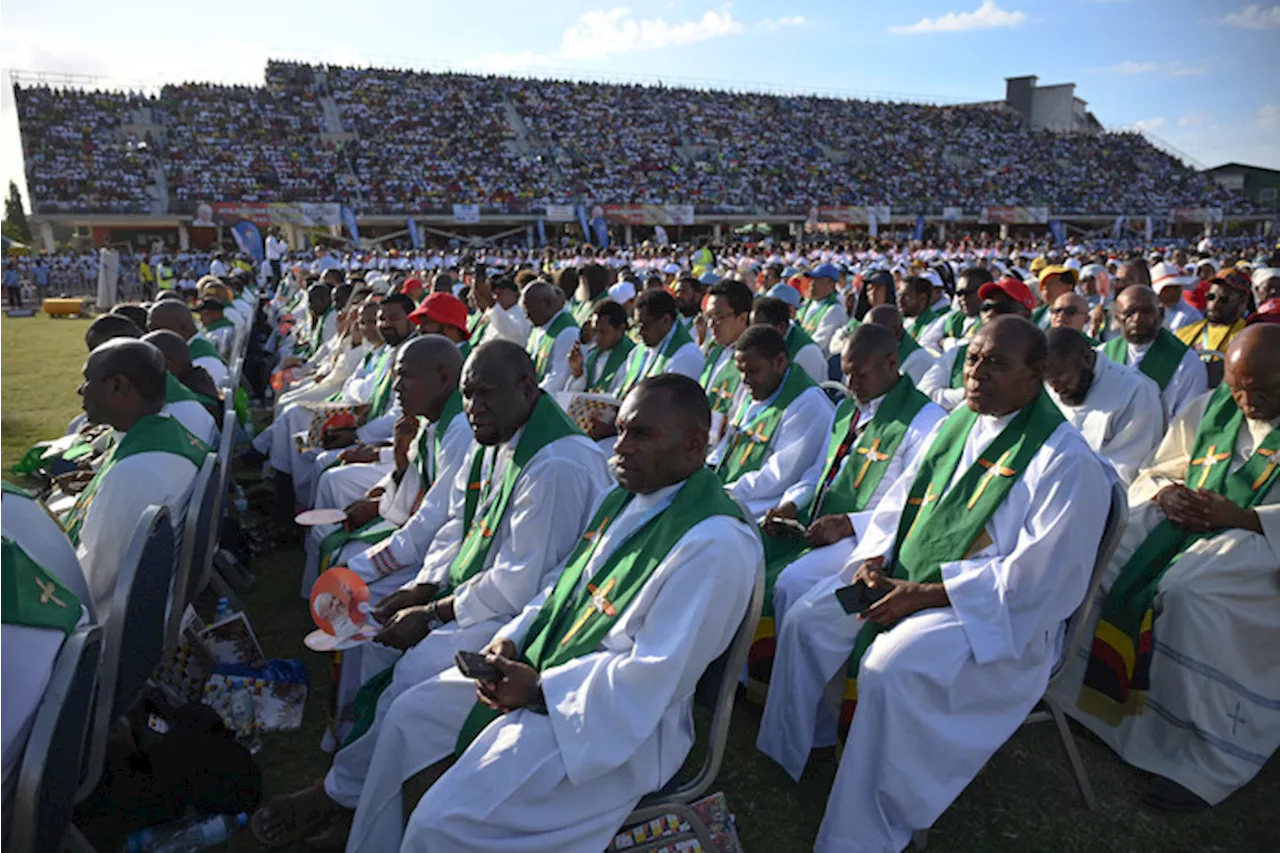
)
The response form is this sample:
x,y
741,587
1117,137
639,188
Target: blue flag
x,y
1058,229
349,220
248,238
918,234
602,232
542,232
414,236
582,220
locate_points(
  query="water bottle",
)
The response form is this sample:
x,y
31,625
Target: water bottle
x,y
185,836
224,610
243,716
241,502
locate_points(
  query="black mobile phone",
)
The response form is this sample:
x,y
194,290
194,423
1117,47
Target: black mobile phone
x,y
858,597
473,665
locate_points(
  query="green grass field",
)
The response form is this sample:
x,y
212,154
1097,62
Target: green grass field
x,y
1025,800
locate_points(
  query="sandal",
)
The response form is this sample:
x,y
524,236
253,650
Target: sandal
x,y
292,819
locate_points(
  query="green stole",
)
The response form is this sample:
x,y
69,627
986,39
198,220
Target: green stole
x,y
748,443
1160,362
542,340
477,324
612,364
957,367
1117,677
721,387
152,433
582,311
941,524
315,337
797,339
906,346
572,621
813,313
954,327
374,531
33,597
919,324
176,392
852,486
220,323
380,399
464,349
203,348
1038,314
679,336
546,424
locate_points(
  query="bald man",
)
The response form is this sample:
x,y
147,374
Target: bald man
x,y
1070,311
518,505
1184,668
593,717
914,360
981,550
1116,408
553,336
191,408
154,462
175,316
1146,345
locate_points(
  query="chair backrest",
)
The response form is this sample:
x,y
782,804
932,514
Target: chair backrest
x,y
226,449
836,391
193,544
134,633
717,690
49,774
1082,619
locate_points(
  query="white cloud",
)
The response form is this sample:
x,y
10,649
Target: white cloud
x,y
599,34
1193,119
1268,117
1254,17
1147,124
988,16
1131,67
770,24
1177,69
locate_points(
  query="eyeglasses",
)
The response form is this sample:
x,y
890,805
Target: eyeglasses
x,y
1066,311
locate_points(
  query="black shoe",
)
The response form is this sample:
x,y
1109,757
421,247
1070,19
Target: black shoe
x,y
1167,795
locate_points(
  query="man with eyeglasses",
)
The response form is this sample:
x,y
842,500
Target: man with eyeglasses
x,y
1071,311
965,318
1225,304
1145,344
1055,280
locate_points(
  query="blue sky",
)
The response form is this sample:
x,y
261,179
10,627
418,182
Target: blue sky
x,y
1200,75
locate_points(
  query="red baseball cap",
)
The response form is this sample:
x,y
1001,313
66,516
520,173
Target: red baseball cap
x,y
1010,287
411,284
445,308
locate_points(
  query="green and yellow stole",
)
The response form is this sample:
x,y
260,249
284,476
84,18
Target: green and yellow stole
x,y
542,340
1160,362
612,364
748,442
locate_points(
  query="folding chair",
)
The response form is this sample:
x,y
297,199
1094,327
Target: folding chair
x,y
1050,708
47,778
199,531
716,691
835,391
134,633
214,571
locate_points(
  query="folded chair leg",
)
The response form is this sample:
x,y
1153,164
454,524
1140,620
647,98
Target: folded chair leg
x,y
1073,754
219,583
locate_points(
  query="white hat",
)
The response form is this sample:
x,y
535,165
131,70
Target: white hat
x,y
671,269
1165,274
933,278
380,283
622,292
1073,263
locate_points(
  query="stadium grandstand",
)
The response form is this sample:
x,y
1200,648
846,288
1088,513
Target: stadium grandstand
x,y
474,150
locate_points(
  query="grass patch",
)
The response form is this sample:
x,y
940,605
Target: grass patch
x,y
1025,800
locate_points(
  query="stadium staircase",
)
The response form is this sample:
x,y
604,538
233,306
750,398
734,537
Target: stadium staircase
x,y
523,144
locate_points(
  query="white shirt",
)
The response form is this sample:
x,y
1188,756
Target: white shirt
x,y
917,364
1189,380
558,373
936,381
1181,315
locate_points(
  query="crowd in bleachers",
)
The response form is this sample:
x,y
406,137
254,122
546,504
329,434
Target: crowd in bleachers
x,y
425,141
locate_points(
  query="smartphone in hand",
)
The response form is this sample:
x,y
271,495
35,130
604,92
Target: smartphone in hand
x,y
473,665
857,597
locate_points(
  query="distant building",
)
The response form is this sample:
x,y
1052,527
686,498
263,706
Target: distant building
x,y
1261,185
1053,108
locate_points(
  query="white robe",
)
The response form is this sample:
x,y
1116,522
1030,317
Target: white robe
x,y
800,440
398,511
196,419
1120,418
27,522
619,724
549,508
936,381
819,563
931,336
1213,711
1189,380
506,325
558,374
133,484
27,658
1181,315
833,321
946,687
917,364
811,360
687,361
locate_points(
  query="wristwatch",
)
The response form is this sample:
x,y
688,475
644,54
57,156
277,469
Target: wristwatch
x,y
433,619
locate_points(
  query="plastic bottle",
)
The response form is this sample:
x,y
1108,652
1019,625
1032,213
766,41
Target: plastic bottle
x,y
224,609
185,836
244,716
241,502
